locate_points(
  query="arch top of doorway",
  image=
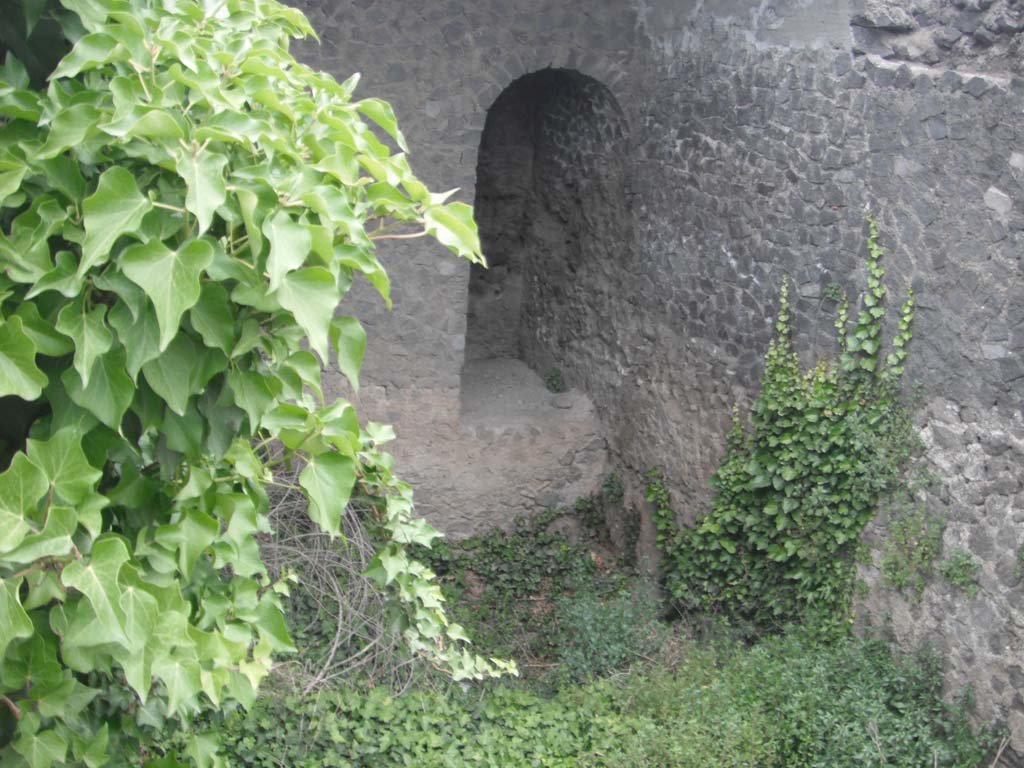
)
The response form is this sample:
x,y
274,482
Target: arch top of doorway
x,y
606,70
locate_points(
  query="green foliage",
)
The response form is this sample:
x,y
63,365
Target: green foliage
x,y
834,292
554,381
590,511
793,495
911,548
785,703
598,634
555,602
33,31
182,211
613,500
501,585
612,491
961,570
664,517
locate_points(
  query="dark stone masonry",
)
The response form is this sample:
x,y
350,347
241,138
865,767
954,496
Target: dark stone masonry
x,y
646,173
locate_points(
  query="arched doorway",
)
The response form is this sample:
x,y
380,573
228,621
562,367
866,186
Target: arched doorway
x,y
551,206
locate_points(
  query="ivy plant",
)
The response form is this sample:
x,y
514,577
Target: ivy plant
x,y
911,549
795,490
961,570
183,210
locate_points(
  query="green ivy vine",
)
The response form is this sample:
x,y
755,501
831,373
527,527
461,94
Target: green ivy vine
x,y
795,490
183,208
910,550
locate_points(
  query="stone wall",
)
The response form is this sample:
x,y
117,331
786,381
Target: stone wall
x,y
972,35
777,156
748,140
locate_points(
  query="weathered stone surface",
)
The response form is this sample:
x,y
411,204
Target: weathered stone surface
x,y
882,14
978,454
979,36
692,157
507,448
998,201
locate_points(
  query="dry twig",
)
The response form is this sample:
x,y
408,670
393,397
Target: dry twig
x,y
331,574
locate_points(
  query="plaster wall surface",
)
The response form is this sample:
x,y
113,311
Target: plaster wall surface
x,y
754,136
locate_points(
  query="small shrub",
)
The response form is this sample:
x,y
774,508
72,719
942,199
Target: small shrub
x,y
534,594
910,551
961,570
554,381
834,292
599,635
612,490
502,584
590,511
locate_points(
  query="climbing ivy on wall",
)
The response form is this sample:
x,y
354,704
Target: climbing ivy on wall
x,y
796,489
182,209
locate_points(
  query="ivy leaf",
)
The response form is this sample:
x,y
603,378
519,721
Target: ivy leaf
x,y
63,461
328,480
290,243
93,751
213,319
453,226
19,374
48,340
43,588
252,394
416,531
115,209
272,627
140,609
53,541
13,71
22,485
311,296
190,537
67,696
88,329
182,370
363,260
70,127
115,281
387,564
139,336
181,679
62,278
10,182
348,338
150,123
41,749
90,51
14,622
383,115
32,9
96,577
204,177
169,278
203,749
185,434
110,390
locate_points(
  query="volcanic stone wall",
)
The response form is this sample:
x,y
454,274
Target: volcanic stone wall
x,y
760,164
702,153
